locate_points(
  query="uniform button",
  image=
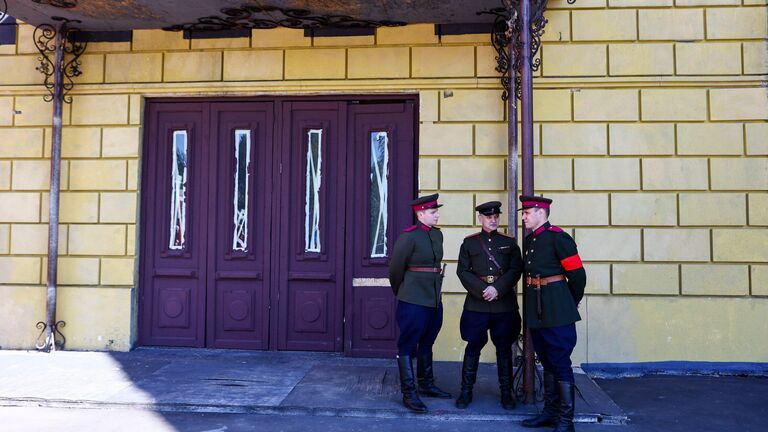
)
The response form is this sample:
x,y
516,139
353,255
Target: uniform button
x,y
529,262
531,250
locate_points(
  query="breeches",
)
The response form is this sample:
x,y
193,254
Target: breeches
x,y
419,326
504,328
554,347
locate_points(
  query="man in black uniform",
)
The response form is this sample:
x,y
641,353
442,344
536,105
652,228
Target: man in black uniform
x,y
416,277
554,285
489,267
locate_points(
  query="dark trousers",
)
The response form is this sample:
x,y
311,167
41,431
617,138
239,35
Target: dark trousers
x,y
554,347
503,326
419,326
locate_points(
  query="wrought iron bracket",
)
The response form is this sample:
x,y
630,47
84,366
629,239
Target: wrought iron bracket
x,y
250,16
506,30
45,41
44,341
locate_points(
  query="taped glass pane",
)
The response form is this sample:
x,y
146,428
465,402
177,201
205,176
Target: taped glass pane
x,y
178,191
312,199
242,173
379,192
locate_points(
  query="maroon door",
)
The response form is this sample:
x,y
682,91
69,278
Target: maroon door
x,y
239,229
383,163
268,224
311,226
174,224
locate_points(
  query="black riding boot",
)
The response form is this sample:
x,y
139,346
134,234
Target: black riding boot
x,y
550,413
504,366
468,377
408,386
426,377
565,423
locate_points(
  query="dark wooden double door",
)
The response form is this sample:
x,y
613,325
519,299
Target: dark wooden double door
x,y
266,224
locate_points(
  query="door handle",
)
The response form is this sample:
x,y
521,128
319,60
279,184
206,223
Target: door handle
x,y
311,276
233,274
175,273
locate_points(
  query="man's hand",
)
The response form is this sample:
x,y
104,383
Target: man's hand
x,y
490,294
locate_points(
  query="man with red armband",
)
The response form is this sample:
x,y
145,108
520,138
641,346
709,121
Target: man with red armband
x,y
554,281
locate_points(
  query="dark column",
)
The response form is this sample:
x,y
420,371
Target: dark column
x,y
527,151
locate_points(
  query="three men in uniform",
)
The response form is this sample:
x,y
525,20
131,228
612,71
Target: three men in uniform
x,y
490,264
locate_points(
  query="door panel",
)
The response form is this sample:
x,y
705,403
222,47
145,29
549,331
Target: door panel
x,y
174,238
239,258
310,227
383,162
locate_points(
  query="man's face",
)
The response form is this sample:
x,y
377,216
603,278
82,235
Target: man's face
x,y
534,218
428,217
489,223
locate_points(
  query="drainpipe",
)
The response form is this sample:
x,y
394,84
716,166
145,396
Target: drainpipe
x,y
57,41
526,103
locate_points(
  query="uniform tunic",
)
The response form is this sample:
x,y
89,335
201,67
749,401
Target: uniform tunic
x,y
550,251
419,312
474,262
417,246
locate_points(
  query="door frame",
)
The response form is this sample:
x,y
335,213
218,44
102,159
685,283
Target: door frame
x,y
279,125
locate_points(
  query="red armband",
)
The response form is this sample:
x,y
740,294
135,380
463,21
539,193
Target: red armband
x,y
573,262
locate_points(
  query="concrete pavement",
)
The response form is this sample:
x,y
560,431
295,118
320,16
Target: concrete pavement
x,y
254,382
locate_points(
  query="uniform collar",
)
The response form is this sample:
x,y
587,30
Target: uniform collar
x,y
484,233
422,226
541,229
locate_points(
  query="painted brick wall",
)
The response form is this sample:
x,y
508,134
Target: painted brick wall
x,y
651,135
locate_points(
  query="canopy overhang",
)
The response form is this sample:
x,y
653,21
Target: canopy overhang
x,y
123,15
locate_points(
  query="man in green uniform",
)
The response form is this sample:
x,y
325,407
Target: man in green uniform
x,y
489,267
554,286
416,277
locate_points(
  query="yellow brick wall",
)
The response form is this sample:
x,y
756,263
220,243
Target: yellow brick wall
x,y
651,134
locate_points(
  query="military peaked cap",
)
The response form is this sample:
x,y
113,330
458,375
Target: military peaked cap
x,y
489,209
534,202
425,202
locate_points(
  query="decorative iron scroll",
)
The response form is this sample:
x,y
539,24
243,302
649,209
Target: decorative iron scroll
x,y
263,17
4,11
45,41
59,341
64,4
506,30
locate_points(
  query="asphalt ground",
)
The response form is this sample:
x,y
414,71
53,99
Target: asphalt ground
x,y
162,390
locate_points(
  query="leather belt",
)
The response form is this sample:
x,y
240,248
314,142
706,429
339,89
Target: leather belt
x,y
542,281
425,269
489,279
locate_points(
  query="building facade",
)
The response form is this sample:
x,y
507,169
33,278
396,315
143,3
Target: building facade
x,y
651,136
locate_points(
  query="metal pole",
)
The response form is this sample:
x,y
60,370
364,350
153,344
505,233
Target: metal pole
x,y
53,212
512,162
527,151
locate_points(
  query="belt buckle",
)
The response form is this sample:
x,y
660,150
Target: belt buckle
x,y
490,279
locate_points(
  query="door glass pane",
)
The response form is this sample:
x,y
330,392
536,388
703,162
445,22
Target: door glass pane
x,y
242,173
379,192
312,199
178,191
